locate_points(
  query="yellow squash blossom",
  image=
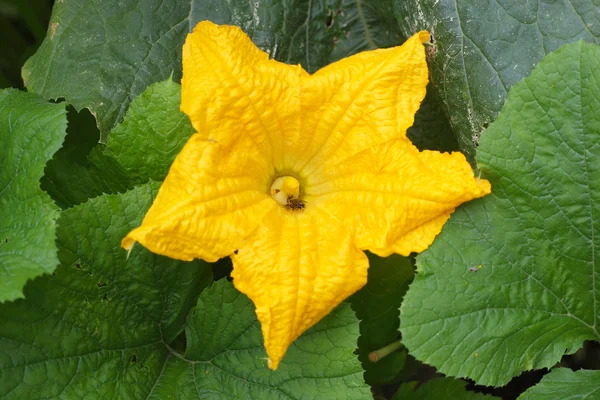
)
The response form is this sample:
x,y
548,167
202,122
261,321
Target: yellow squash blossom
x,y
294,175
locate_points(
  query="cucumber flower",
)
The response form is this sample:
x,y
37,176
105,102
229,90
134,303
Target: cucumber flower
x,y
294,175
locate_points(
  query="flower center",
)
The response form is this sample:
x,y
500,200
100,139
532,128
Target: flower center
x,y
286,191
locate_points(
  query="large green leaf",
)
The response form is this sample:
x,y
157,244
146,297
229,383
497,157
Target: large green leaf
x,y
98,326
226,358
439,388
31,131
535,296
377,307
482,48
565,384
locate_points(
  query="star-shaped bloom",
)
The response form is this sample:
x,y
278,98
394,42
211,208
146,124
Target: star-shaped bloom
x,y
295,175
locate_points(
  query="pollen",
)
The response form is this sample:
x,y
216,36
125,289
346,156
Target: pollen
x,y
284,189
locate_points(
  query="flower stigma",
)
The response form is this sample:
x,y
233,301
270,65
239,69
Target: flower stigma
x,y
285,190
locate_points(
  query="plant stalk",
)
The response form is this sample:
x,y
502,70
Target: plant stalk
x,y
377,355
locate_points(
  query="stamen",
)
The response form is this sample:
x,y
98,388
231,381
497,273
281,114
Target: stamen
x,y
284,189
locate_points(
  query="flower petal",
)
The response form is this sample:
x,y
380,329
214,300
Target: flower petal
x,y
230,89
397,197
360,101
211,200
296,267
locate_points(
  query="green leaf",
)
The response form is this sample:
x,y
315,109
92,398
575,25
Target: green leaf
x,y
141,148
536,236
152,134
102,55
70,182
563,383
364,25
80,170
333,29
377,307
98,326
226,358
31,131
439,388
483,48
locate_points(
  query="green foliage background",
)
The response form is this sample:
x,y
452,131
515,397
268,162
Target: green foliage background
x,y
96,324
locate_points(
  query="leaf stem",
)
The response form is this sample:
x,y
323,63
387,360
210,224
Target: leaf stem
x,y
377,355
178,354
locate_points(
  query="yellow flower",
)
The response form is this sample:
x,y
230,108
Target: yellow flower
x,y
294,175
